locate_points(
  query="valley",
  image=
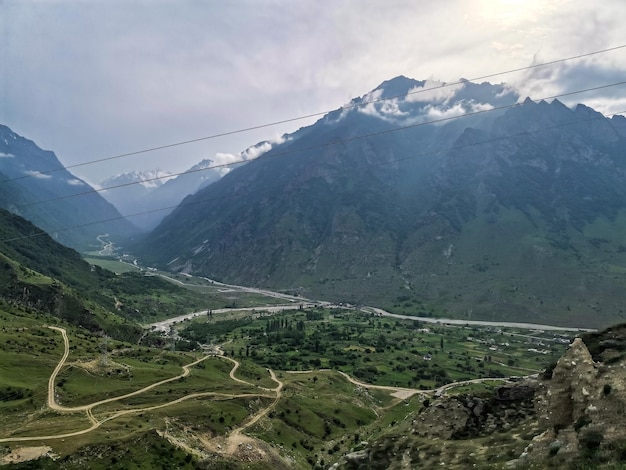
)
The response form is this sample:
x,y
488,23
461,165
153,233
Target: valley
x,y
221,375
126,388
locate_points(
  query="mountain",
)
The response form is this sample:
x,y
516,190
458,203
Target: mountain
x,y
510,212
147,197
131,191
34,184
135,184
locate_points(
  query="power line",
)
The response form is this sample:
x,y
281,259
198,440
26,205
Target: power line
x,y
326,144
308,116
456,147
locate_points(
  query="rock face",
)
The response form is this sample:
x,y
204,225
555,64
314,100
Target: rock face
x,y
467,416
439,433
571,385
583,405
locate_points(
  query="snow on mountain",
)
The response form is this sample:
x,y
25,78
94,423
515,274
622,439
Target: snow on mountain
x,y
149,179
405,101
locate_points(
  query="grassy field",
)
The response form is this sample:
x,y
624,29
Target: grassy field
x,y
111,264
380,350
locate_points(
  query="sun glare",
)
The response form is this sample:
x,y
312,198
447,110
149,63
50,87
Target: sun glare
x,y
510,12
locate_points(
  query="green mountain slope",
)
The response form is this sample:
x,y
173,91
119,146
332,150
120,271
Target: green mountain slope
x,y
43,276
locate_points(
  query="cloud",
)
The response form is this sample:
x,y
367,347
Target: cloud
x,y
36,174
388,110
568,77
251,153
434,91
437,113
6,155
182,70
75,182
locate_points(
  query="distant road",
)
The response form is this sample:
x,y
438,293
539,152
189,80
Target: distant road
x,y
308,303
496,324
166,324
229,287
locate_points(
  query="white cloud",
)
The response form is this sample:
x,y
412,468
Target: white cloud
x,y
437,113
434,113
251,153
434,91
254,152
388,110
6,155
181,70
75,182
226,158
36,174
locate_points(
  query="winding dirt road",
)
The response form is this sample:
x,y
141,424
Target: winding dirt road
x,y
235,438
95,423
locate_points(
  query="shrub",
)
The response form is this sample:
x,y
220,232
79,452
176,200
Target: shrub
x,y
590,441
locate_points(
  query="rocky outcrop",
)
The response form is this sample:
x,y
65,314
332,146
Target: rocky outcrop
x,y
467,416
576,412
447,420
583,406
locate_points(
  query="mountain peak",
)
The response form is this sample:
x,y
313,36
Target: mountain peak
x,y
398,86
149,179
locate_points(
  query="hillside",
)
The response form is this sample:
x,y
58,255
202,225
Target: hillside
x,y
34,185
44,277
513,214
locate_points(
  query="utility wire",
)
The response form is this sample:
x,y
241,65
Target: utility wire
x,y
314,147
308,116
456,147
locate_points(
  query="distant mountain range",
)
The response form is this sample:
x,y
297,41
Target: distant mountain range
x,y
34,184
516,213
148,196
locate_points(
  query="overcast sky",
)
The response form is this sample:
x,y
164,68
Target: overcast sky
x,y
94,78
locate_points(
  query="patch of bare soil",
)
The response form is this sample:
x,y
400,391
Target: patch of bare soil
x,y
24,454
404,394
97,367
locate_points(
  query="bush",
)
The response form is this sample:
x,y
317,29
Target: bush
x,y
590,441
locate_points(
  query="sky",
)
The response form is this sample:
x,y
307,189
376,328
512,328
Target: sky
x,y
91,79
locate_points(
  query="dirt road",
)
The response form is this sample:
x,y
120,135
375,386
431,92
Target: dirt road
x,y
88,409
